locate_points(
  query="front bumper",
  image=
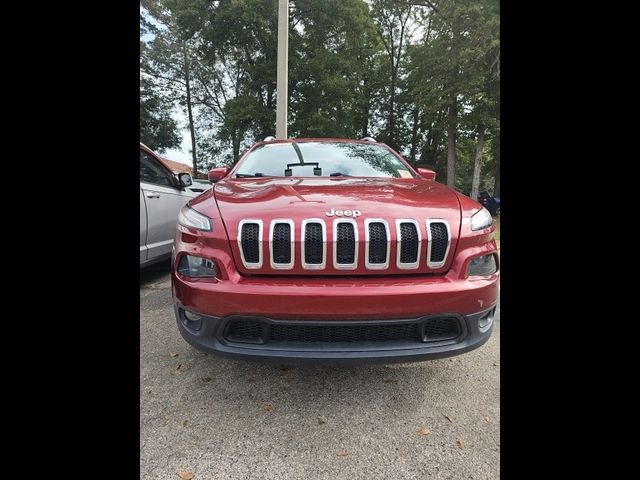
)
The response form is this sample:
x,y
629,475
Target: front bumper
x,y
328,300
211,334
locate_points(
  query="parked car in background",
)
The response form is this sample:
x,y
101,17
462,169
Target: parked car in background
x,y
490,203
162,195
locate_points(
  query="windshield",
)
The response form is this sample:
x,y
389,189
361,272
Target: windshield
x,y
309,159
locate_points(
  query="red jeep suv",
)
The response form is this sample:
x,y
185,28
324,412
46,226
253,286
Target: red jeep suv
x,y
330,250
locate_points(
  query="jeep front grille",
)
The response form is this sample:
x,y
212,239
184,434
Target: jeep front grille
x,y
282,235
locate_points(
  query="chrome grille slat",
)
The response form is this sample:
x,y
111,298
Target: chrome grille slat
x,y
314,244
250,243
345,244
438,242
282,244
409,241
377,239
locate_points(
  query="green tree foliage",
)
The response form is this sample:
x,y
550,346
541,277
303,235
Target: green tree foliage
x,y
422,76
158,129
332,55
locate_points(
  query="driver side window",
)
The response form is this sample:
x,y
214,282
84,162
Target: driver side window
x,y
152,172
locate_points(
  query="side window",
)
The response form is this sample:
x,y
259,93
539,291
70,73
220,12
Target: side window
x,y
152,172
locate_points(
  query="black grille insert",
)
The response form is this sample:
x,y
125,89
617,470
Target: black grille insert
x,y
249,238
250,330
245,331
441,328
346,244
281,243
439,241
313,244
377,243
409,243
344,333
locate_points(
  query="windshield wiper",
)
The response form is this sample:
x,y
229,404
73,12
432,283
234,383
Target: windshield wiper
x,y
338,174
250,175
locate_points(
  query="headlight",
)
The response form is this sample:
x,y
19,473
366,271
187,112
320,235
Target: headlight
x,y
484,265
196,267
481,219
189,218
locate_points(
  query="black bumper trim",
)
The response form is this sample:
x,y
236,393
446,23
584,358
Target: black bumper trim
x,y
209,338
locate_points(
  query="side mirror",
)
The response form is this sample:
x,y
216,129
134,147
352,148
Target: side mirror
x,y
185,179
427,173
217,174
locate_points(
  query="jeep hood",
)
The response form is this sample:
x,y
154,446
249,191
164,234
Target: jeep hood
x,y
305,198
300,198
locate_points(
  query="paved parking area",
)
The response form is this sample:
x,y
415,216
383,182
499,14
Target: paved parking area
x,y
219,418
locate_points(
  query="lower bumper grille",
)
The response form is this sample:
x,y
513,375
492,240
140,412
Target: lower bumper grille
x,y
251,330
343,333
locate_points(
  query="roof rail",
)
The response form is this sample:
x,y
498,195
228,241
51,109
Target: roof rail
x,y
269,138
368,139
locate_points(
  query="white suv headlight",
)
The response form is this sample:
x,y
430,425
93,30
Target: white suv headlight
x,y
481,219
189,218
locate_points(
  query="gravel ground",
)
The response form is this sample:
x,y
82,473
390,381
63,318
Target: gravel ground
x,y
219,418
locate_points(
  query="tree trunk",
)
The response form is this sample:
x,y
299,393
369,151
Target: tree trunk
x,y
451,143
392,109
364,127
365,122
475,182
496,154
452,114
191,127
235,145
414,136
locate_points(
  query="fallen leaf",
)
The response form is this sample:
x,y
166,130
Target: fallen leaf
x,y
453,359
185,475
173,354
449,418
147,391
487,419
168,417
268,407
341,454
206,379
459,444
423,431
391,380
183,423
178,368
496,364
321,420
